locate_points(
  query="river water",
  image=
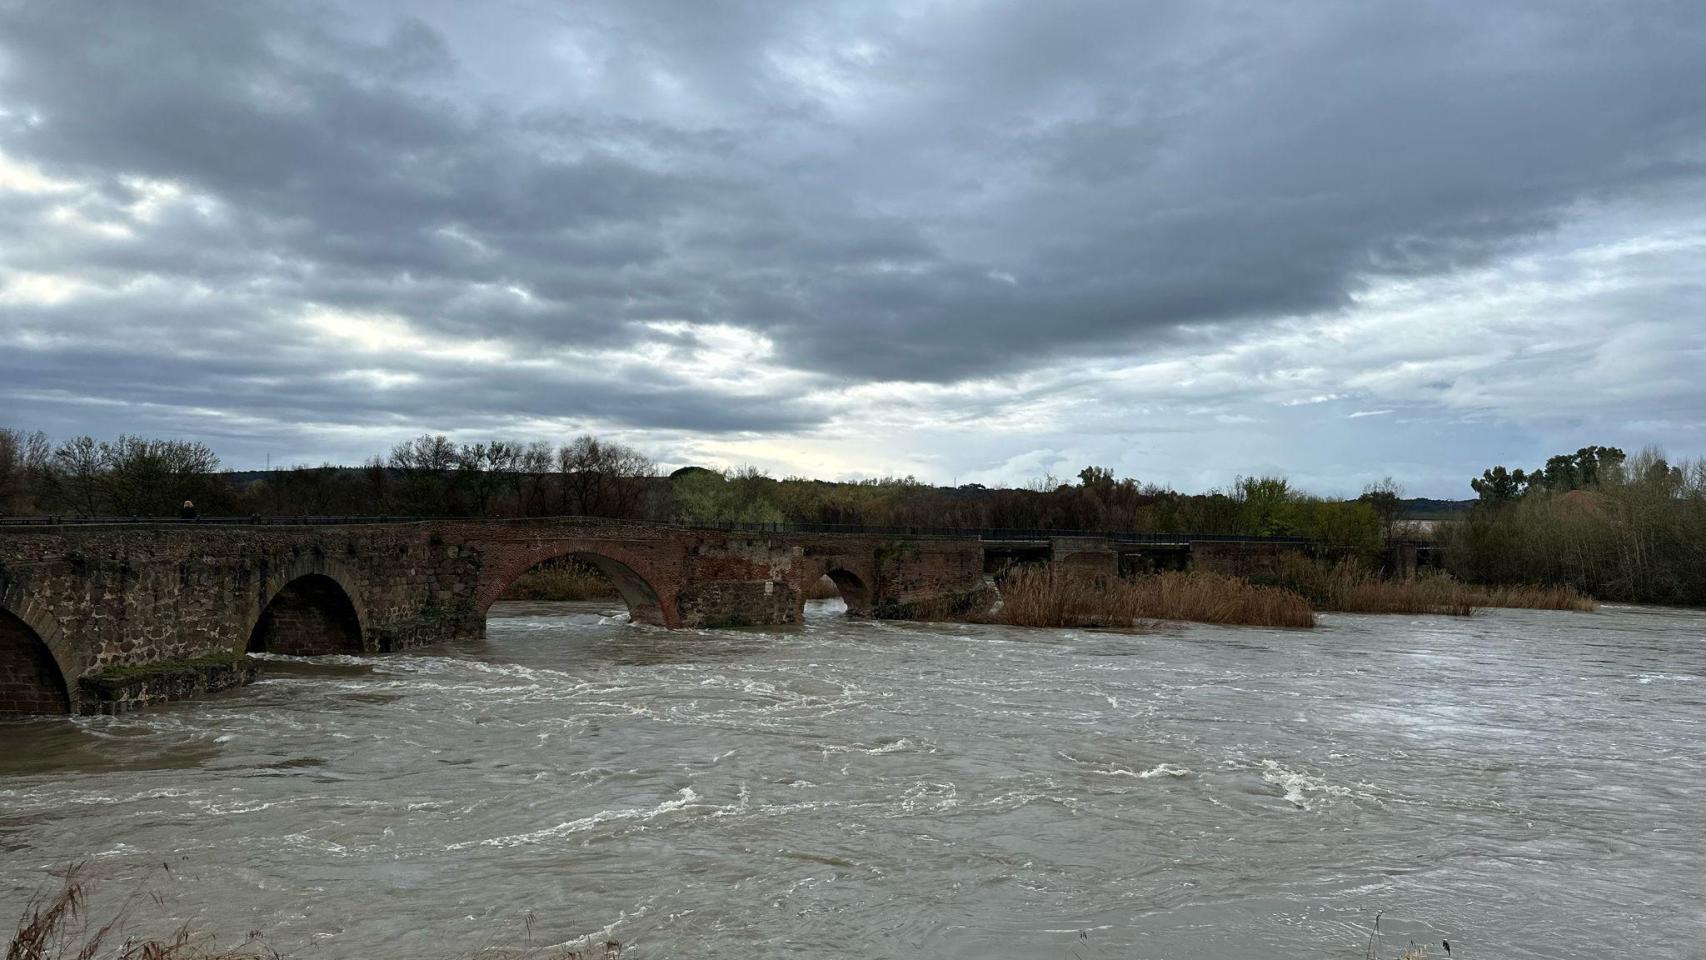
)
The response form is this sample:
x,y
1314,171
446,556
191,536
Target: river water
x,y
1526,784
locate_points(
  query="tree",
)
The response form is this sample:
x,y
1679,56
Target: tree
x,y
601,478
480,470
742,496
23,468
1497,485
152,477
528,480
1264,505
77,464
1384,498
424,464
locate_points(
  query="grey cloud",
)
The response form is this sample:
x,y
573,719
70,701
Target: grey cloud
x,y
886,192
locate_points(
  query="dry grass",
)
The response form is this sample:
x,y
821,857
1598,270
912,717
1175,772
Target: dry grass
x,y
1534,597
1048,596
57,926
562,580
1349,587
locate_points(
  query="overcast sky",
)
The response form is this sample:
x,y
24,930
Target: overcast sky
x,y
971,241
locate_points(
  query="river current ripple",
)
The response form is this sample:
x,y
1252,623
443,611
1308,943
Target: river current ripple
x,y
1527,784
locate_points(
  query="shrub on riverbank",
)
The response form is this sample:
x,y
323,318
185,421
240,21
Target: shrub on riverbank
x,y
1640,539
562,580
1351,587
1048,596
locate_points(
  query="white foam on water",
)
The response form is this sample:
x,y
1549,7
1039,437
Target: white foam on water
x,y
1299,786
684,798
1159,770
893,746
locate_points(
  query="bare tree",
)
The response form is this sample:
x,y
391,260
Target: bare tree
x,y
600,478
77,464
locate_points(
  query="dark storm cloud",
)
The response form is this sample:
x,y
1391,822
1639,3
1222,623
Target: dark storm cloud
x,y
908,193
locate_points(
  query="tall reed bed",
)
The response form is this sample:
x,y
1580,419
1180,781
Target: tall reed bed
x,y
1350,587
1534,596
1049,596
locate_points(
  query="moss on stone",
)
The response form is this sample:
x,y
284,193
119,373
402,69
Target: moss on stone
x,y
123,675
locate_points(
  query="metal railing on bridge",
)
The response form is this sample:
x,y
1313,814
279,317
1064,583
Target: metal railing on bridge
x,y
996,534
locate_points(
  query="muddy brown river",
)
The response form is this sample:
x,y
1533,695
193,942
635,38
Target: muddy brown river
x,y
1525,784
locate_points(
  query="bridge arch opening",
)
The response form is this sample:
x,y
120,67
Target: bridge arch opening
x,y
309,616
584,575
30,681
853,590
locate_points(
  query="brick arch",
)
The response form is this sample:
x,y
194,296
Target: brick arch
x,y
646,587
36,669
301,567
854,576
855,590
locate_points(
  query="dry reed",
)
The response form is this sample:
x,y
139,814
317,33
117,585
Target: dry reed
x,y
562,580
1350,587
1048,596
1534,596
57,926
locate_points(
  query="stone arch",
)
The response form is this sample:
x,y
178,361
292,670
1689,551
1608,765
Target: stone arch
x,y
648,598
37,619
32,682
855,590
308,607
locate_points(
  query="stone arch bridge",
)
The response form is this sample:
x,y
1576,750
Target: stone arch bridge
x,y
102,617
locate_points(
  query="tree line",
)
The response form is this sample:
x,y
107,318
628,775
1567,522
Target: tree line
x,y
589,476
1611,525
1617,527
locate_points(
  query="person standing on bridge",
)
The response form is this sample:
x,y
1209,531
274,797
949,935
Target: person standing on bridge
x,y
188,511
